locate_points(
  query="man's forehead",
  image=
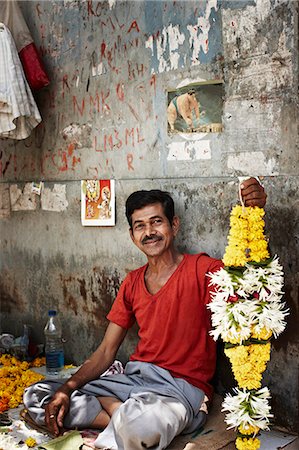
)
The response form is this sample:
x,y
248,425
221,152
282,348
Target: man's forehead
x,y
148,211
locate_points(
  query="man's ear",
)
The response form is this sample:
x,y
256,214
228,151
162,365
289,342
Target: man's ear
x,y
175,225
131,234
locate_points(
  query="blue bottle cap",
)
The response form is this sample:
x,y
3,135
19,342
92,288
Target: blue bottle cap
x,y
52,312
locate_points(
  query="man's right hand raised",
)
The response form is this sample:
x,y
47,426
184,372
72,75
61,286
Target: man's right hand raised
x,y
55,412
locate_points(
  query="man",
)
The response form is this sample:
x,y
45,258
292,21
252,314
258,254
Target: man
x,y
183,106
167,380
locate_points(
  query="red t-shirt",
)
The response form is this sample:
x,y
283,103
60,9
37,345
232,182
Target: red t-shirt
x,y
174,323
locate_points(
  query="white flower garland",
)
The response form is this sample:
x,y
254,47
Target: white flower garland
x,y
243,300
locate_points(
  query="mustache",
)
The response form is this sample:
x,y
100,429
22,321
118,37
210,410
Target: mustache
x,y
152,237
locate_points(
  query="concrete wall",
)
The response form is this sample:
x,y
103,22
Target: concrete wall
x,y
111,64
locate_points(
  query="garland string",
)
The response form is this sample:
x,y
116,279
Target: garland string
x,y
247,312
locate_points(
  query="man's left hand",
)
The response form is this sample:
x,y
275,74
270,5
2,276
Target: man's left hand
x,y
253,194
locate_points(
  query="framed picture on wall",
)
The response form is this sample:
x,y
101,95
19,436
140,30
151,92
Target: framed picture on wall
x,y
196,108
98,202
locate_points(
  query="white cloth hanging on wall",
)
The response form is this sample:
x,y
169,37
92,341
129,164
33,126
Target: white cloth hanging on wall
x,y
18,111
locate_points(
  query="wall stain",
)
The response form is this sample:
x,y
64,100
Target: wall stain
x,y
10,297
90,296
82,288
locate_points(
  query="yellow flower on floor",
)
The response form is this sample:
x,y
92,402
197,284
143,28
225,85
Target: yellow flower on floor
x,y
38,362
30,442
247,444
15,376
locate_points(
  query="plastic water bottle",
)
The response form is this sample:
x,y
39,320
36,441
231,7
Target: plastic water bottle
x,y
54,347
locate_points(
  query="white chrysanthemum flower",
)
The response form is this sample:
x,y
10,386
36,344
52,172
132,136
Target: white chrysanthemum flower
x,y
222,280
219,296
250,281
246,408
268,279
267,296
272,317
241,292
233,321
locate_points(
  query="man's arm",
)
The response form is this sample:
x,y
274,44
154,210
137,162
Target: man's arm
x,y
90,370
253,193
195,107
184,108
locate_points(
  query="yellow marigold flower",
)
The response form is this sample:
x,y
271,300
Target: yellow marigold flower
x,y
246,240
231,340
30,442
248,363
13,402
24,365
14,378
248,429
263,334
247,444
5,360
38,362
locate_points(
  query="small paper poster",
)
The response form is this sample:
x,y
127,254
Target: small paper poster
x,y
98,202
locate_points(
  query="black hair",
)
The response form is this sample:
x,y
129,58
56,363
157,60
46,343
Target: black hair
x,y
140,199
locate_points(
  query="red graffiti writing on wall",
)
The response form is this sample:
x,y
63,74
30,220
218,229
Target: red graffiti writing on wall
x,y
97,10
130,161
97,103
117,140
62,160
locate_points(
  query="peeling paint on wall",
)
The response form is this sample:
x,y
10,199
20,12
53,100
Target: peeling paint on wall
x,y
254,163
22,200
199,33
4,201
78,134
54,200
189,151
178,45
167,48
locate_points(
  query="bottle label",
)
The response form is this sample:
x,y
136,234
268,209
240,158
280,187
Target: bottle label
x,y
55,360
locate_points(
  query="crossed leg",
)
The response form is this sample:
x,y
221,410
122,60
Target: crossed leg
x,y
109,405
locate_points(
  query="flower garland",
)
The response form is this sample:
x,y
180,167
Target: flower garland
x,y
247,311
15,376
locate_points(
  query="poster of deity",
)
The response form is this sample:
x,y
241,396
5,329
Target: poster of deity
x,y
98,202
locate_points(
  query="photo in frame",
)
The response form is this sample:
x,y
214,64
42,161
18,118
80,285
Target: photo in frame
x,y
196,108
98,202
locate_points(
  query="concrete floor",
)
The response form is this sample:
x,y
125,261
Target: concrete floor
x,y
215,436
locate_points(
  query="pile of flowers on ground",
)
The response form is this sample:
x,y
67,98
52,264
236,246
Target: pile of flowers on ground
x,y
15,376
247,311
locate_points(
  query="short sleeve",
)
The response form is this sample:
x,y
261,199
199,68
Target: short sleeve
x,y
121,312
205,266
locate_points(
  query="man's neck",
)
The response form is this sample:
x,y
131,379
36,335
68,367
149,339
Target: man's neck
x,y
160,269
160,263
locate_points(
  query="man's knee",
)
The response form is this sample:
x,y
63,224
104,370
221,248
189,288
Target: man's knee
x,y
146,421
35,398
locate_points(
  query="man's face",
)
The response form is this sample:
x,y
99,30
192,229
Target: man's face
x,y
151,231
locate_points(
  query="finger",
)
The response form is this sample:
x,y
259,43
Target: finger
x,y
53,426
60,416
252,188
256,202
50,420
247,188
249,182
253,195
255,199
